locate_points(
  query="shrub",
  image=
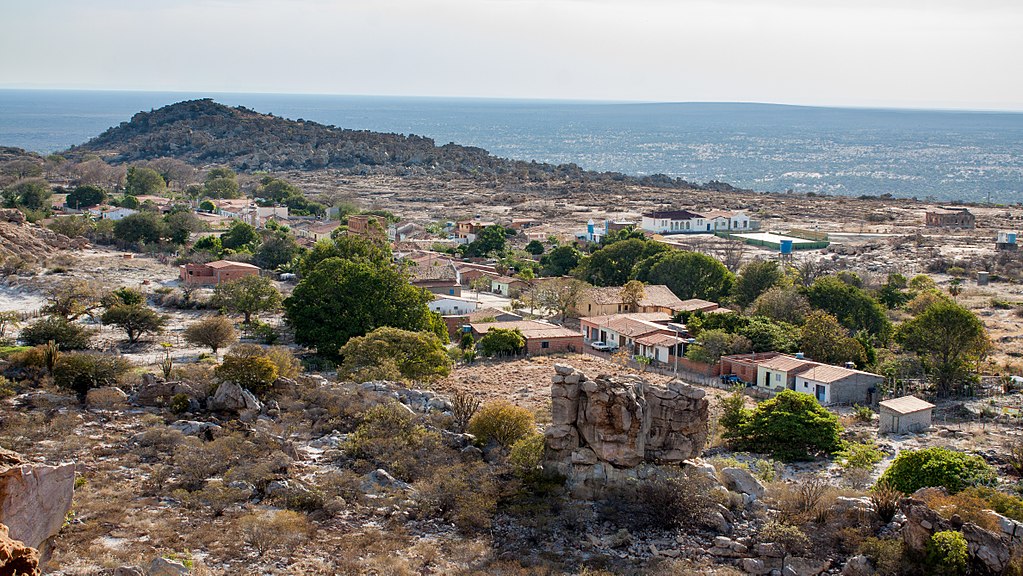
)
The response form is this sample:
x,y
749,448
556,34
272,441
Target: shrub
x,y
859,455
465,494
66,334
675,500
792,538
885,499
214,332
526,456
135,319
255,373
287,365
390,437
863,413
416,355
937,466
81,372
947,553
179,403
6,388
501,422
501,342
274,530
1008,505
887,554
463,407
791,426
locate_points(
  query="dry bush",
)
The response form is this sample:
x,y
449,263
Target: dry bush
x,y
1014,454
667,502
888,555
501,422
197,461
216,496
391,438
287,365
792,538
464,494
968,505
885,499
463,406
275,530
157,441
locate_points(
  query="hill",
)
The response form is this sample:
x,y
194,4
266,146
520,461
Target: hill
x,y
203,132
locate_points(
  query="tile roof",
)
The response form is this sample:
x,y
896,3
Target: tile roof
x,y
659,339
674,215
529,328
479,315
787,364
230,264
434,270
694,304
906,405
631,325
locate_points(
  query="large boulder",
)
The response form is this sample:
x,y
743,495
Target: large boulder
x,y
615,428
740,480
990,552
106,397
34,498
230,396
155,391
16,559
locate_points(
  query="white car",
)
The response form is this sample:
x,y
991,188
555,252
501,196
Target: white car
x,y
603,346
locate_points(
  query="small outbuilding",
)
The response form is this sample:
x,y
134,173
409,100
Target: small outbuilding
x,y
905,414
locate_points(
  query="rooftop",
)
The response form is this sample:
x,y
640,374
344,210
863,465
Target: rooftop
x,y
654,296
231,264
906,405
529,328
673,215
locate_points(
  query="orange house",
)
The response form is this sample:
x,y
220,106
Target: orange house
x,y
213,273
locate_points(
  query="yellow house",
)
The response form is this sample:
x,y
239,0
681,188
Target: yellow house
x,y
604,301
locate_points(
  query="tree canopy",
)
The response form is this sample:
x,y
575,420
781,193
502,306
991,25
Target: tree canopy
x,y
613,265
791,426
948,338
414,355
143,181
340,299
85,196
687,274
853,307
756,278
248,296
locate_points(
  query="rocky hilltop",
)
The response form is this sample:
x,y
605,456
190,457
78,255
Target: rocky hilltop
x,y
203,132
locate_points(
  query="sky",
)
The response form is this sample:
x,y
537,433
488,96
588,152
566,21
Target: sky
x,y
962,54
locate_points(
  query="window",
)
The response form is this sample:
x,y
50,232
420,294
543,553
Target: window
x,y
777,377
545,344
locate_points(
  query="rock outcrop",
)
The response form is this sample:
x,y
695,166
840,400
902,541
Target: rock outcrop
x,y
230,396
990,552
34,498
615,428
17,559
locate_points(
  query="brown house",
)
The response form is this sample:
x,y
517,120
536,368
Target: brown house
x,y
367,226
950,217
541,337
213,273
602,301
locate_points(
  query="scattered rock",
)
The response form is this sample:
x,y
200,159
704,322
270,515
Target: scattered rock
x,y
34,499
380,480
797,566
16,558
740,480
163,567
106,397
232,397
858,566
195,428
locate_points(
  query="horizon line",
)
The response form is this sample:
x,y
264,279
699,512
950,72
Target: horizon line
x,y
576,101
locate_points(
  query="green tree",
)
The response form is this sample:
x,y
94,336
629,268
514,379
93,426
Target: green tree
x,y
782,305
340,299
276,249
766,335
559,294
135,319
142,181
179,226
535,247
713,344
247,296
144,227
60,331
85,196
824,339
893,292
501,342
853,307
416,355
791,426
948,338
209,244
347,248
72,298
31,194
687,274
240,236
81,372
128,201
277,190
220,186
937,466
613,265
490,240
207,206
560,261
756,278
214,332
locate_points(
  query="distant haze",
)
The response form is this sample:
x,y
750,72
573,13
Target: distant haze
x,y
890,53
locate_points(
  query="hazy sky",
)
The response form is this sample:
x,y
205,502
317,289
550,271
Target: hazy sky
x,y
905,53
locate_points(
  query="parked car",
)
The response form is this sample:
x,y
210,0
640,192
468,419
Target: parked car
x,y
603,346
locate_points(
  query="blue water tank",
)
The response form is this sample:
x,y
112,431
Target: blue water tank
x,y
1011,237
786,246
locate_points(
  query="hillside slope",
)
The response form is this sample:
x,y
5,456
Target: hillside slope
x,y
203,132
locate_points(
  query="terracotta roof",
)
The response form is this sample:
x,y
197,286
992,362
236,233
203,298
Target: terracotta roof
x,y
654,295
479,315
630,325
509,280
434,270
323,227
231,264
529,328
906,405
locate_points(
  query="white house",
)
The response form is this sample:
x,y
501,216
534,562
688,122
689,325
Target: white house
x,y
905,414
838,385
686,222
453,305
107,213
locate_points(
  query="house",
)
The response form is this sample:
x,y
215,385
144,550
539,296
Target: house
x,y
367,226
905,414
446,305
439,277
661,347
469,271
698,305
606,300
259,215
687,222
317,231
541,337
774,372
213,273
949,217
523,223
623,329
110,213
401,231
838,385
457,322
468,230
232,207
507,285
